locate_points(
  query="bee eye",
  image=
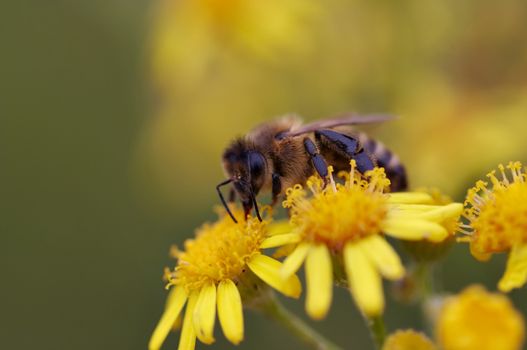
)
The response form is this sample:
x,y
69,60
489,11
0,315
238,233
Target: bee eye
x,y
256,163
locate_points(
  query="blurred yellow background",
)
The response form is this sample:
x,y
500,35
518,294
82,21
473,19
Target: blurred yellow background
x,y
115,114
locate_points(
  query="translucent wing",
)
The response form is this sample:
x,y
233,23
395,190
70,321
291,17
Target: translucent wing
x,y
347,119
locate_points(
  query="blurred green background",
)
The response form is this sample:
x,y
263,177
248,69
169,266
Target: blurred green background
x,y
114,116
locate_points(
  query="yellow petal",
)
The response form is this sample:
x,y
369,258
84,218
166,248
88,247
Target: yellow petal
x,y
280,240
414,230
205,313
319,281
175,301
410,198
230,311
187,341
383,256
177,325
427,211
268,269
279,227
293,262
449,211
365,282
516,271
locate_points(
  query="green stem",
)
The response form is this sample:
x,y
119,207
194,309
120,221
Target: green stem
x,y
423,275
378,332
276,311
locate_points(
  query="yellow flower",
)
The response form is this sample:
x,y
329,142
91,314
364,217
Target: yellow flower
x,y
497,222
343,224
476,319
191,35
218,268
408,340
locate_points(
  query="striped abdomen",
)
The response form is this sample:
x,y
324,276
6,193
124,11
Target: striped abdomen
x,y
388,160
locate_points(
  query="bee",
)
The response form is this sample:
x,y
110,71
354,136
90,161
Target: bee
x,y
279,154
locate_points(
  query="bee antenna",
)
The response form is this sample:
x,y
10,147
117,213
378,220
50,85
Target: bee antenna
x,y
256,206
223,199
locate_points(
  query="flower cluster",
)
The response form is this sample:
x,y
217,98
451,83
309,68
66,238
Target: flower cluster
x,y
220,266
497,222
341,230
345,225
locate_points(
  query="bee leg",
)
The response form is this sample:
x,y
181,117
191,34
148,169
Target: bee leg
x,y
344,144
319,163
347,146
277,188
363,160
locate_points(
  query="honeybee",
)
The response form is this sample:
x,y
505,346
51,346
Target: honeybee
x,y
279,154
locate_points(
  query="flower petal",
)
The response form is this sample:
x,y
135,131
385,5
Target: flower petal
x,y
230,311
516,271
365,282
280,240
187,340
175,302
383,256
319,281
414,230
410,198
279,227
268,269
441,213
205,313
293,262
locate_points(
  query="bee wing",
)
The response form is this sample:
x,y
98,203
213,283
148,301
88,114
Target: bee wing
x,y
346,119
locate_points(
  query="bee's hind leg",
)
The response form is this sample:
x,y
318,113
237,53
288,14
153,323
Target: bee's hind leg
x,y
319,163
346,146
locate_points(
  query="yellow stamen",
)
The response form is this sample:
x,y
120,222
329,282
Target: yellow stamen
x,y
220,251
335,216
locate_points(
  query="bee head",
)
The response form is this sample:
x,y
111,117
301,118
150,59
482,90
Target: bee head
x,y
246,169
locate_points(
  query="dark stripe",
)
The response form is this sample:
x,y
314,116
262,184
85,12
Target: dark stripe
x,y
383,157
370,145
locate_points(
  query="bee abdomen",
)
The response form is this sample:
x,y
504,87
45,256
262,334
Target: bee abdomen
x,y
385,158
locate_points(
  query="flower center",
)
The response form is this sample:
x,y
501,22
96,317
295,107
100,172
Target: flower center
x,y
340,213
498,217
220,251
